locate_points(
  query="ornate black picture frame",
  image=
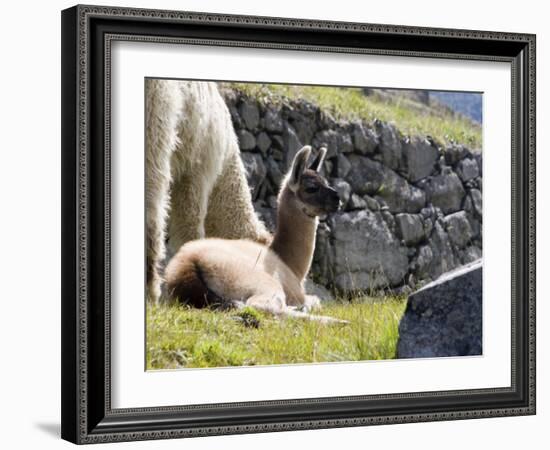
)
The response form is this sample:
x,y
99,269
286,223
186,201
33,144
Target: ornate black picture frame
x,y
87,34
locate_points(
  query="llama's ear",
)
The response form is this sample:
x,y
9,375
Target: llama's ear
x,y
317,163
299,164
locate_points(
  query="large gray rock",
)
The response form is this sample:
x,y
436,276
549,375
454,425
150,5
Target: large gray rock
x,y
273,121
374,178
475,226
235,117
476,197
328,139
345,145
255,170
445,191
326,120
365,175
390,144
267,216
250,114
303,117
277,142
478,156
343,189
389,219
318,290
247,141
274,172
372,204
428,226
470,254
419,158
304,123
343,166
458,228
467,205
467,169
421,264
328,167
401,196
292,144
263,142
409,228
356,202
456,152
364,139
444,318
322,266
366,254
443,257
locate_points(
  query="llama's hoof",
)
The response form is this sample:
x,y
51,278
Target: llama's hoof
x,y
311,303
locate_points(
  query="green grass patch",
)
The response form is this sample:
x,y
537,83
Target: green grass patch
x,y
182,337
410,117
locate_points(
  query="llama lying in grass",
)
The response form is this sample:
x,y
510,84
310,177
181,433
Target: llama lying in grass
x,y
195,180
212,272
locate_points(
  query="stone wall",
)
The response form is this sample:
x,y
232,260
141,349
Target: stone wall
x,y
412,208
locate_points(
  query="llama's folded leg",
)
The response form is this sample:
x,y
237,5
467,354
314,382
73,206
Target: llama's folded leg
x,y
270,302
311,302
274,303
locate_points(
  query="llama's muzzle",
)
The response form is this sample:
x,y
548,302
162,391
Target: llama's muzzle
x,y
333,202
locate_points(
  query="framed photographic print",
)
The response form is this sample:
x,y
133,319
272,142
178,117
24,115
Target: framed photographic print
x,y
282,224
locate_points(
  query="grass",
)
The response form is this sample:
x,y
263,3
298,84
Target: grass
x,y
183,337
411,118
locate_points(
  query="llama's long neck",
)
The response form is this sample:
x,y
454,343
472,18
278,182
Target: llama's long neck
x,y
294,239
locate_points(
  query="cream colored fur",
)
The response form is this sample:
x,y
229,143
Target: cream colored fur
x,y
242,272
195,180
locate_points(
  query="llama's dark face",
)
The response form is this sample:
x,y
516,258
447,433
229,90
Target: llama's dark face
x,y
316,194
313,194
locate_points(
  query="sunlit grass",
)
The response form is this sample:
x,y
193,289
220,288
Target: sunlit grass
x,y
183,337
351,104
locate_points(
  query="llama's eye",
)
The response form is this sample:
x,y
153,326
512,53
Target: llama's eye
x,y
311,189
